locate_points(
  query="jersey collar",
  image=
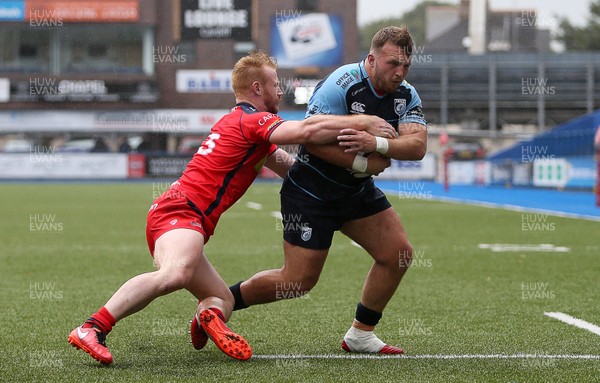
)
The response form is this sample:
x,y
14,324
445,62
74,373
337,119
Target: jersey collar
x,y
247,107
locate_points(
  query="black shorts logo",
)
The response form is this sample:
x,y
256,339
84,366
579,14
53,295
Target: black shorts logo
x,y
306,233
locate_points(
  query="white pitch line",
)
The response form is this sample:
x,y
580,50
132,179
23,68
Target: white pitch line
x,y
508,247
574,322
428,356
254,205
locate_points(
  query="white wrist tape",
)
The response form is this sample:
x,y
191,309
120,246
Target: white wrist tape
x,y
360,163
382,145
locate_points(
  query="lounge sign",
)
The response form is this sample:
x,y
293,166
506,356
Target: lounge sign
x,y
216,19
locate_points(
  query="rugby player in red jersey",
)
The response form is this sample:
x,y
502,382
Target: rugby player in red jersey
x,y
182,220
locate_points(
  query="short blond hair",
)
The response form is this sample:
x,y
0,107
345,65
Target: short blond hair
x,y
249,69
398,36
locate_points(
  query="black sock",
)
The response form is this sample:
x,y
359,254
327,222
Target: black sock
x,y
367,316
237,295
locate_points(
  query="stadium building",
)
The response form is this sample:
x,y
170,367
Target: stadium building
x,y
149,72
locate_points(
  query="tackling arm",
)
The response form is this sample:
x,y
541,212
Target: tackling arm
x,y
323,129
280,162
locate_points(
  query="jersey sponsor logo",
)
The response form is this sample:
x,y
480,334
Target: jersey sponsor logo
x,y
266,118
173,221
344,80
354,73
400,106
357,91
306,233
357,108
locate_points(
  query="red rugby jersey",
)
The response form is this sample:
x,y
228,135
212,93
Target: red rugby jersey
x,y
228,161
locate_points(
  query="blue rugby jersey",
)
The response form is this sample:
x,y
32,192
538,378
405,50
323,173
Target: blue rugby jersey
x,y
348,90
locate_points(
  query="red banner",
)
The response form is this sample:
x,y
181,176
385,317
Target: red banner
x,y
82,10
136,165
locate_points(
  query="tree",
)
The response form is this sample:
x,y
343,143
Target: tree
x,y
582,38
413,19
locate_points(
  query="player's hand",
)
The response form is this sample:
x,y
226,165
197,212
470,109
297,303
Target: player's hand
x,y
377,163
378,126
355,141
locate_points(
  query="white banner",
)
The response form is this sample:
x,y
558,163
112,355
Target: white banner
x,y
4,90
411,170
552,172
42,164
158,120
204,81
461,172
307,35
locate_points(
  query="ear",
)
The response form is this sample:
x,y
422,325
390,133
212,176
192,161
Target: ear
x,y
256,88
371,59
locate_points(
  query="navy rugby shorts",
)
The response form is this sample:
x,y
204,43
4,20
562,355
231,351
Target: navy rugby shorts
x,y
310,223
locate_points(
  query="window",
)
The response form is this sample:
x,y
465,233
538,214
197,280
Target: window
x,y
307,5
77,48
24,50
101,48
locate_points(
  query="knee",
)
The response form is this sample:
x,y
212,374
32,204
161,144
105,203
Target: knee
x,y
175,279
296,286
308,281
405,256
397,258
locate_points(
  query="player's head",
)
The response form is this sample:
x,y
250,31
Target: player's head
x,y
390,57
254,79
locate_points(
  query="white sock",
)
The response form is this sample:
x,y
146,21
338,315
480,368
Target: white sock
x,y
362,341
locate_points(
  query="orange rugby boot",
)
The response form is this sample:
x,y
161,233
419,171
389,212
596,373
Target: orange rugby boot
x,y
93,341
226,340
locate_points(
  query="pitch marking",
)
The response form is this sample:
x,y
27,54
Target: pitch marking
x,y
507,247
427,356
254,205
574,322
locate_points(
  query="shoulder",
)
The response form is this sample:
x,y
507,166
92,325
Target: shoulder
x,y
405,84
407,87
260,122
409,92
330,94
344,76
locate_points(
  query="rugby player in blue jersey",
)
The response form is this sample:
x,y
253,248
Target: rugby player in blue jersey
x,y
328,189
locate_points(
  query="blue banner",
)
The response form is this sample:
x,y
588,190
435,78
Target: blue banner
x,y
313,39
12,10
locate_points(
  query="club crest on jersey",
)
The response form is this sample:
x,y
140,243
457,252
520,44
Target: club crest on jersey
x,y
400,106
306,233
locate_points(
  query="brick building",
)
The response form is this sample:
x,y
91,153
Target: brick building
x,y
78,68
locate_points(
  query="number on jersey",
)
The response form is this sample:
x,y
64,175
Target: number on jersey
x,y
209,144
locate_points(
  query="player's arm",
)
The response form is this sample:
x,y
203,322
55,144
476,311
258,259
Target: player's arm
x,y
280,162
410,145
375,163
323,129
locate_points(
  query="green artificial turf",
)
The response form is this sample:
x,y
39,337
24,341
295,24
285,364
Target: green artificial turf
x,y
67,248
